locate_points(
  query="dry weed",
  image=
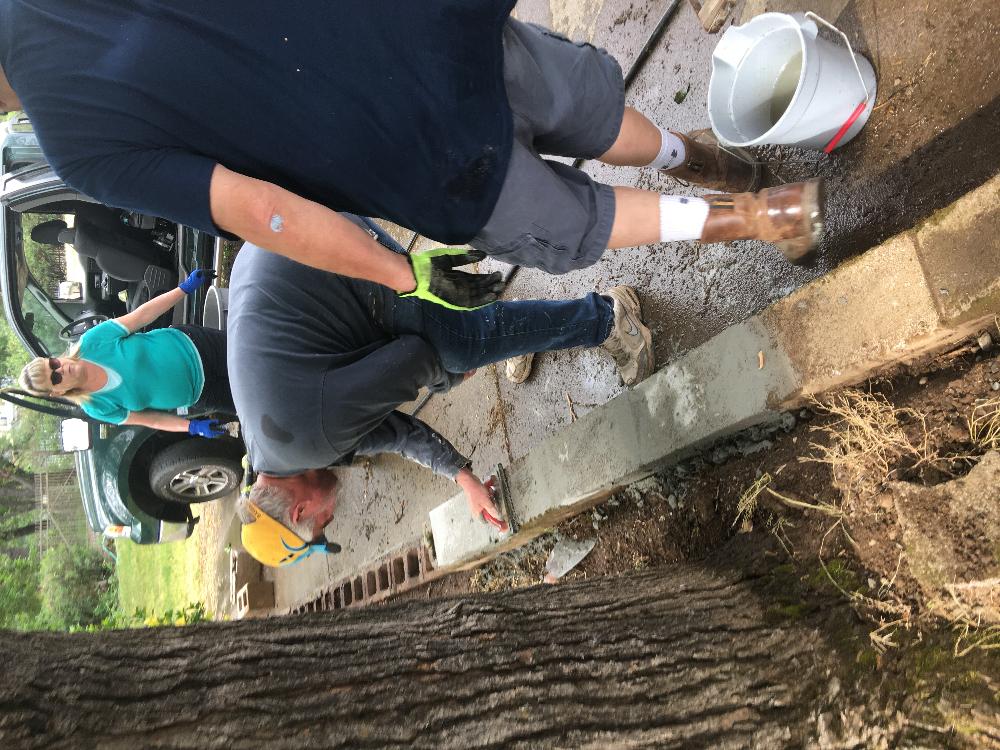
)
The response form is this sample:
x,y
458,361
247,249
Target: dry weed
x,y
973,635
516,569
776,526
882,637
971,609
747,504
867,442
984,425
791,502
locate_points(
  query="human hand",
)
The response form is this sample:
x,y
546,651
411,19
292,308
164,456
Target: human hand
x,y
438,282
196,279
468,375
206,428
479,497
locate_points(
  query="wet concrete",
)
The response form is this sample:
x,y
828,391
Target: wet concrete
x,y
930,139
863,208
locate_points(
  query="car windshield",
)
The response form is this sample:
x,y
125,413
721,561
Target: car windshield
x,y
45,275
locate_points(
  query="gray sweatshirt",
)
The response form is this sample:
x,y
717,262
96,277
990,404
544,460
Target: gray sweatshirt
x,y
316,378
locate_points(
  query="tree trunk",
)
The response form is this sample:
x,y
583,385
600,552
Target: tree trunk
x,y
679,658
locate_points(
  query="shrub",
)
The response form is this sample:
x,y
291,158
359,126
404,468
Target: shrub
x,y
20,604
77,587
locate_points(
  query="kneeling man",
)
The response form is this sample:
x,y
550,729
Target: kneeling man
x,y
319,363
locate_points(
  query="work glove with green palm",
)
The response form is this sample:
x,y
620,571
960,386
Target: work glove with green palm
x,y
439,282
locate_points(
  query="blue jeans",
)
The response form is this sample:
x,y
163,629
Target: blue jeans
x,y
467,339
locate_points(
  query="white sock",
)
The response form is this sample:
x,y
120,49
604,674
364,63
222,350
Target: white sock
x,y
682,217
671,151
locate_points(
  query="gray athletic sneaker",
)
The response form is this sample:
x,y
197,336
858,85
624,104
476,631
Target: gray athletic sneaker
x,y
630,342
517,369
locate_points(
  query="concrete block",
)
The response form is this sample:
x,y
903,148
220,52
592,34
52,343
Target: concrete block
x,y
458,536
393,573
254,597
866,314
959,251
243,569
260,594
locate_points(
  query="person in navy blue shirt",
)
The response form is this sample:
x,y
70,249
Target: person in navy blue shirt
x,y
262,119
352,353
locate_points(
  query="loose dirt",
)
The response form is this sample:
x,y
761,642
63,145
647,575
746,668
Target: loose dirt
x,y
797,486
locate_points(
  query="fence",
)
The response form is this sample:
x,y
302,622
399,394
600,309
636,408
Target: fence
x,y
60,518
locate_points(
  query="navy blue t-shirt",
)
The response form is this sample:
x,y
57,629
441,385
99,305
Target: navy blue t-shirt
x,y
388,108
316,377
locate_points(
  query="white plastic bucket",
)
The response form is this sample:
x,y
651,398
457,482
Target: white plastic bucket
x,y
775,80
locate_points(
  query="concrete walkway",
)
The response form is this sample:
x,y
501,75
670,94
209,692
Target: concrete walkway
x,y
924,147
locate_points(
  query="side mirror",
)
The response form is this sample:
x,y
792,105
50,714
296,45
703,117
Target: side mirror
x,y
75,435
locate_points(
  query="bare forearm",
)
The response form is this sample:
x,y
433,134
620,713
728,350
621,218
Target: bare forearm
x,y
147,312
158,420
282,222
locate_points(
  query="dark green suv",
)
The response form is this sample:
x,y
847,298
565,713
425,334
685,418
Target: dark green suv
x,y
113,261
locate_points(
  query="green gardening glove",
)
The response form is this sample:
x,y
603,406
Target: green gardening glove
x,y
439,282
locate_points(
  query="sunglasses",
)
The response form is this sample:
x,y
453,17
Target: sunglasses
x,y
56,376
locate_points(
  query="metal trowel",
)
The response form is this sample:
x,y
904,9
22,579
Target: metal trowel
x,y
499,487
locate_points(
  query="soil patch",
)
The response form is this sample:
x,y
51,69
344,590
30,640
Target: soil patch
x,y
792,483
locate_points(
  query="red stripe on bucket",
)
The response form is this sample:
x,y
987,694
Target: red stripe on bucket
x,y
845,127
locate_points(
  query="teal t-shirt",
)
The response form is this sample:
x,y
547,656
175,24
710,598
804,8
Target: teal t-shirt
x,y
159,370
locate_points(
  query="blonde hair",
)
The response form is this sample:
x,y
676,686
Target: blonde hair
x,y
36,378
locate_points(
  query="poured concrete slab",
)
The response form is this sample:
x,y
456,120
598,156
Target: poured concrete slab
x,y
882,308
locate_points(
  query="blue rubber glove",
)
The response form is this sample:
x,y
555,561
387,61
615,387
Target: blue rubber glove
x,y
206,428
196,279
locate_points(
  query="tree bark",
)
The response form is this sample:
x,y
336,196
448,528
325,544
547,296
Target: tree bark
x,y
684,657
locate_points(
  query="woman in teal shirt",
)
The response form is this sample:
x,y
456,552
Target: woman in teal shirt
x,y
117,375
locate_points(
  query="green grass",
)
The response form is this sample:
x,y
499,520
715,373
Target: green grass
x,y
157,577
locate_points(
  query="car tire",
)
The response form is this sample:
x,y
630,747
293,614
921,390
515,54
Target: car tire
x,y
197,471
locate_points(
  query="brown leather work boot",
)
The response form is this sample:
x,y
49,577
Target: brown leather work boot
x,y
716,167
789,216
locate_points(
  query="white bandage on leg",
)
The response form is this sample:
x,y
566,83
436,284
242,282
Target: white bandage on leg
x,y
682,217
672,152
